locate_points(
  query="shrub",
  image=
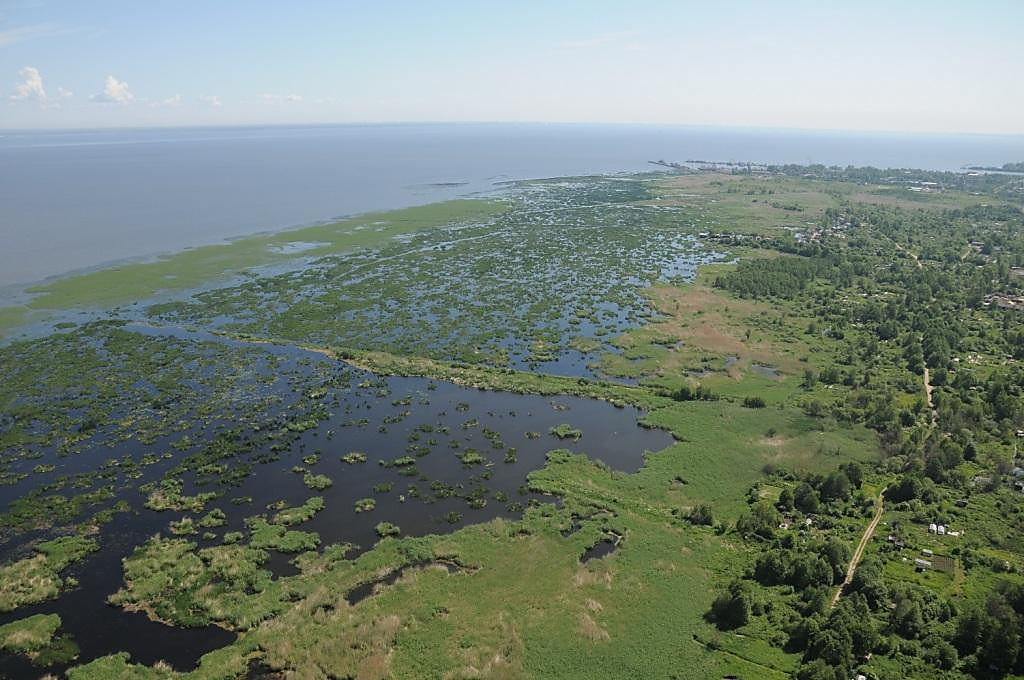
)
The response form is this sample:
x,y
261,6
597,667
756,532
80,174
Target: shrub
x,y
754,402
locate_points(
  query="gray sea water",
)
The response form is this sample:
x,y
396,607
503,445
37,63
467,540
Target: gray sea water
x,y
71,200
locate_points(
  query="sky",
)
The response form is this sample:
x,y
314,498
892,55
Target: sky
x,y
907,65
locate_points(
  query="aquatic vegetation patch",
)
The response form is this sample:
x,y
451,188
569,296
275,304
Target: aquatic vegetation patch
x,y
302,513
565,431
264,535
385,529
29,635
354,457
365,505
167,496
172,582
37,578
317,482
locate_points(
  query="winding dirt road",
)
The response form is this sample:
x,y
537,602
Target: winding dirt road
x,y
859,553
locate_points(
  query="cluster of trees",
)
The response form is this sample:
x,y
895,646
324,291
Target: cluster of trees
x,y
782,277
912,486
918,310
698,393
1005,167
873,616
989,404
984,182
993,634
985,639
812,494
805,566
808,496
909,622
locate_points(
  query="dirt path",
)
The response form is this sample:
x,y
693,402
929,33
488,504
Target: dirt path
x,y
917,260
859,553
928,389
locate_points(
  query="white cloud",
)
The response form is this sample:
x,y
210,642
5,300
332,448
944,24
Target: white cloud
x,y
211,99
31,86
30,89
114,92
274,98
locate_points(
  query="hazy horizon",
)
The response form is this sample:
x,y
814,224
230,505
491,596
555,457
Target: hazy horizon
x,y
919,67
566,123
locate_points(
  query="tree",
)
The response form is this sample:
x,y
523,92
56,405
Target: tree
x,y
906,619
909,488
810,570
939,653
836,487
854,615
970,630
854,472
731,609
762,520
817,670
1001,645
867,581
772,568
838,556
833,645
806,498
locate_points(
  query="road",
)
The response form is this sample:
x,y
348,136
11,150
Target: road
x,y
859,553
928,389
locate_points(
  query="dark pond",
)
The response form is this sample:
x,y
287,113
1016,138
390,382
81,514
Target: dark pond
x,y
600,549
500,436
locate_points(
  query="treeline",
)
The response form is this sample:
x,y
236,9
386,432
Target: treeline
x,y
983,183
